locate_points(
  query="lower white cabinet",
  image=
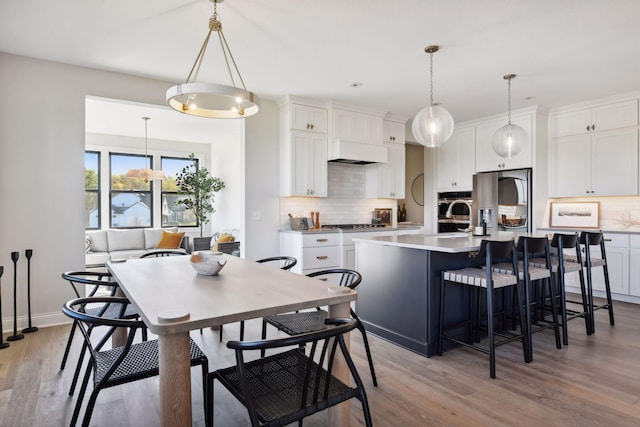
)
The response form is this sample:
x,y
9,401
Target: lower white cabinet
x,y
314,251
634,265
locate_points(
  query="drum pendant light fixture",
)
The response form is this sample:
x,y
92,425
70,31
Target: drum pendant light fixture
x,y
433,125
510,139
146,173
213,100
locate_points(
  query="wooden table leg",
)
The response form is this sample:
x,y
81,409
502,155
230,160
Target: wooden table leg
x,y
339,414
175,379
119,337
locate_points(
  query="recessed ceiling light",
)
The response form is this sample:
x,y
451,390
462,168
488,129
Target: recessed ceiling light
x,y
356,84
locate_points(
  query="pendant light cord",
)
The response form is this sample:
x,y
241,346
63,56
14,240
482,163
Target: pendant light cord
x,y
509,96
431,79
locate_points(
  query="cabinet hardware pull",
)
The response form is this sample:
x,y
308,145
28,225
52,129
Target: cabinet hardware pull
x,y
322,257
588,128
322,240
593,127
311,126
324,279
607,240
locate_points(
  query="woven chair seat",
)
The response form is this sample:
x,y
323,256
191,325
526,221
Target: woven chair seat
x,y
555,263
595,262
535,273
277,384
478,277
113,312
140,362
298,323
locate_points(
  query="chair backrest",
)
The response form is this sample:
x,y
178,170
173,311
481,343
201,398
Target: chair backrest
x,y
323,347
95,279
285,262
75,309
565,241
162,253
340,276
532,245
591,238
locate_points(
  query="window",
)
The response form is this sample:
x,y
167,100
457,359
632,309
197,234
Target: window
x,y
172,214
91,190
131,198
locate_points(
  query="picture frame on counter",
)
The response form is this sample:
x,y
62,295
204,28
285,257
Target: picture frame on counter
x,y
575,215
383,215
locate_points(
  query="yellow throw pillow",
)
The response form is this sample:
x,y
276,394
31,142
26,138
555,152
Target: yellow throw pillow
x,y
170,240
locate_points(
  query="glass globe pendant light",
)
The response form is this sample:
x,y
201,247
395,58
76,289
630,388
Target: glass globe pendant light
x,y
433,125
510,139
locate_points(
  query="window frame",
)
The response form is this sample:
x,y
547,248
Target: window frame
x,y
175,193
150,190
97,191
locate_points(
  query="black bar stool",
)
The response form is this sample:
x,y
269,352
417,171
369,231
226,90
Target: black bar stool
x,y
485,278
561,264
531,275
589,239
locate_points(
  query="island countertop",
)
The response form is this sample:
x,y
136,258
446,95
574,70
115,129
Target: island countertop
x,y
443,242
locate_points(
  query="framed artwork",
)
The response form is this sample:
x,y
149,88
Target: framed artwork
x,y
384,215
575,215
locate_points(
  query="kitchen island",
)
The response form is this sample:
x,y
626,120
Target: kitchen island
x,y
399,295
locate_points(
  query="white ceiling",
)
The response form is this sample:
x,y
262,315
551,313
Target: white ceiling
x,y
563,51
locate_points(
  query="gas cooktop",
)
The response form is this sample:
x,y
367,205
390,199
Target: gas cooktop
x,y
352,226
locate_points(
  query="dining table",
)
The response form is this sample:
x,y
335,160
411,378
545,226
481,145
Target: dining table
x,y
173,299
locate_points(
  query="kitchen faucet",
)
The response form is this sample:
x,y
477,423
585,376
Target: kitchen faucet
x,y
449,213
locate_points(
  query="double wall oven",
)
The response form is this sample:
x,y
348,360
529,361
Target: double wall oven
x,y
460,211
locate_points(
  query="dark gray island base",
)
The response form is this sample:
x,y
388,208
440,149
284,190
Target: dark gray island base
x,y
398,299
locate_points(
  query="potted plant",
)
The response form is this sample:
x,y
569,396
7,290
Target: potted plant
x,y
199,187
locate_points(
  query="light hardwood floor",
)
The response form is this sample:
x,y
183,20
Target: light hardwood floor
x,y
595,381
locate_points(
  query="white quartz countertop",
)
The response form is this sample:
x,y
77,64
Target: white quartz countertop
x,y
443,242
354,230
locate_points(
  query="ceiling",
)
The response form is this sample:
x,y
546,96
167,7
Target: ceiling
x,y
563,52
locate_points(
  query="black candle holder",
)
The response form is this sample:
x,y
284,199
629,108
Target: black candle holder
x,y
2,343
16,336
29,253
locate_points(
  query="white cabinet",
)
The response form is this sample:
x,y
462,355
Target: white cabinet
x,y
314,251
634,265
456,161
303,151
387,180
356,126
597,164
393,132
598,118
305,117
488,160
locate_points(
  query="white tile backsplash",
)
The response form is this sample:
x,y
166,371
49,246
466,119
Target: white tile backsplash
x,y
345,203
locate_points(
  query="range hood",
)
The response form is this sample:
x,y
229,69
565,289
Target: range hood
x,y
357,153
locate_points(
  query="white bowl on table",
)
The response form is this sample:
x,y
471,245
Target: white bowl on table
x,y
207,263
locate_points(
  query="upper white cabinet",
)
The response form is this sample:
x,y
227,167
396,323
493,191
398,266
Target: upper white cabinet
x,y
356,126
610,116
594,150
303,150
393,132
305,117
387,180
595,164
488,160
456,161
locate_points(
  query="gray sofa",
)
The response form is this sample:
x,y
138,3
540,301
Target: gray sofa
x,y
105,245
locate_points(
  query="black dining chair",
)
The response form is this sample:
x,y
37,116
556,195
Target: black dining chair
x,y
112,367
313,320
288,386
282,262
89,283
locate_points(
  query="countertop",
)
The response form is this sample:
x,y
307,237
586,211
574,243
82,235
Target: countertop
x,y
443,242
354,230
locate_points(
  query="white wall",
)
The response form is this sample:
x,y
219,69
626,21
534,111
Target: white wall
x,y
42,142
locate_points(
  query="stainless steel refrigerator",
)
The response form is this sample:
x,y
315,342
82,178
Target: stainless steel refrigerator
x,y
503,200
